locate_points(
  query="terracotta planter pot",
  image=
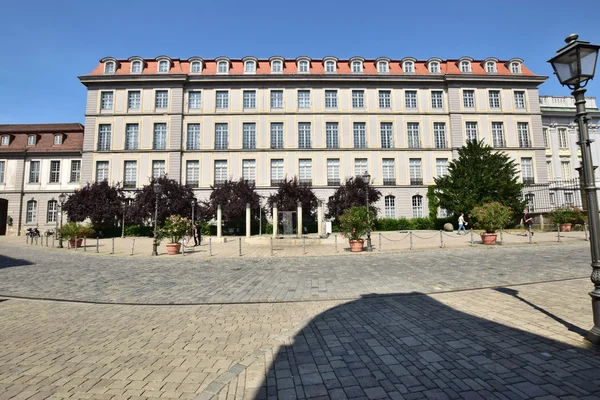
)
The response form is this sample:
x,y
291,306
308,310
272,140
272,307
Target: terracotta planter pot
x,y
489,238
72,242
357,245
565,227
173,248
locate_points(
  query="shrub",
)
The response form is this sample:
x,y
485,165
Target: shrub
x,y
268,228
355,222
138,230
422,224
438,223
566,215
491,216
74,230
175,228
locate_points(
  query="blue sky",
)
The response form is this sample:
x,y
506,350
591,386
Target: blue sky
x,y
47,44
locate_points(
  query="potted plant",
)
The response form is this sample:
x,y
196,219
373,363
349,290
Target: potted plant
x,y
355,223
565,217
174,229
74,232
490,217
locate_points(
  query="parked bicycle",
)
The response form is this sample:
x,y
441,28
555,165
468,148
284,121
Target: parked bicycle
x,y
33,232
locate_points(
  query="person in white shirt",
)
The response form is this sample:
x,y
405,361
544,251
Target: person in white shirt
x,y
462,224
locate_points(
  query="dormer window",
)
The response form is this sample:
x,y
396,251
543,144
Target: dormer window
x,y
490,67
250,67
109,67
303,67
465,66
277,67
329,66
58,139
515,68
434,67
383,67
163,66
408,67
5,140
357,67
222,67
136,67
196,67
31,140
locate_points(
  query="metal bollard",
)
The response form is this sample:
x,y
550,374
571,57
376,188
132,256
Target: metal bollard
x,y
132,247
303,245
52,241
441,239
84,244
558,232
471,236
529,236
379,248
97,244
113,246
210,247
75,243
36,241
240,246
501,232
46,241
335,237
585,229
182,248
410,238
271,246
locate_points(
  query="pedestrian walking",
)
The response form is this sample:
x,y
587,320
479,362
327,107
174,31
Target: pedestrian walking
x,y
197,234
462,223
527,220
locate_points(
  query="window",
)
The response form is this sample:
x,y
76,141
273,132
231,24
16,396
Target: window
x,y
160,137
468,98
490,67
196,67
386,131
550,170
390,206
332,140
412,133
220,172
331,99
192,173
134,99
330,66
569,198
358,99
498,134
136,67
131,136
439,135
305,171
130,174
104,133
249,136
106,100
515,68
276,98
563,140
333,172
303,67
276,135
54,172
523,133
250,67
276,172
410,98
434,67
546,138
441,167
565,168
163,66
222,67
195,101
304,135
551,198
222,99
2,169
465,66
31,140
31,215
414,166
303,98
357,67
158,169
417,206
408,67
162,99
360,166
443,213
360,135
470,131
75,171
276,67
520,99
249,170
249,99
52,211
58,139
388,169
101,171
437,99
494,96
193,137
221,137
527,170
383,67
109,67
385,99
5,140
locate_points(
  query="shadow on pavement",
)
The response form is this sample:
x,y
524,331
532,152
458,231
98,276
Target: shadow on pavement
x,y
7,262
414,347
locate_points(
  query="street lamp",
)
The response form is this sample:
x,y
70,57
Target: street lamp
x,y
61,198
123,224
155,241
574,65
367,178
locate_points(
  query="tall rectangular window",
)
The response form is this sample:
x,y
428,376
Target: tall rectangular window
x,y
468,98
563,138
386,131
498,134
159,141
360,135
303,98
162,99
410,99
104,133
332,140
276,135
31,215
52,211
437,99
412,133
390,206
360,166
333,172
565,168
439,135
414,166
249,99
276,172
159,169
106,100
276,98
523,133
249,135
249,170
441,167
54,172
417,206
358,99
101,171
471,131
305,171
527,170
519,99
331,99
388,169
385,99
221,99
130,174
220,172
304,135
131,136
134,99
221,137
193,137
494,96
34,172
546,138
550,170
2,171
192,173
195,102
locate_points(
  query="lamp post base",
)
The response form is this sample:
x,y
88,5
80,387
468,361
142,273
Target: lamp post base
x,y
369,248
593,335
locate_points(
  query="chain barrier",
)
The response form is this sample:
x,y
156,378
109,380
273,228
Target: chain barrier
x,y
424,238
395,240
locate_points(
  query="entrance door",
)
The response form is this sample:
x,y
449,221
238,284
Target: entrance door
x,y
3,214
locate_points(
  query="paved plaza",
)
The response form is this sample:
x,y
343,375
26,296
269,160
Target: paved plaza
x,y
503,322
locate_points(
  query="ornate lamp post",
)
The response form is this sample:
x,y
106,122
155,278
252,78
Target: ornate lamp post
x,y
574,65
61,198
367,178
155,241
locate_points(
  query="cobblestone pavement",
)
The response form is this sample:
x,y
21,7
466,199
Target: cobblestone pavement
x,y
37,272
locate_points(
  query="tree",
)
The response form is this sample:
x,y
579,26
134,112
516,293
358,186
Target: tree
x,y
233,196
98,201
289,193
479,175
173,199
352,193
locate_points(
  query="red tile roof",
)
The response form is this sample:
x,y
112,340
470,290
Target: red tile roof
x,y
38,128
72,138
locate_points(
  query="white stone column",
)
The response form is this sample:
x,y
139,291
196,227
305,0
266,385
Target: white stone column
x,y
320,218
299,219
219,222
275,222
247,220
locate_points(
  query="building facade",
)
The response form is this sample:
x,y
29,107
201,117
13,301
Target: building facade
x,y
37,164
